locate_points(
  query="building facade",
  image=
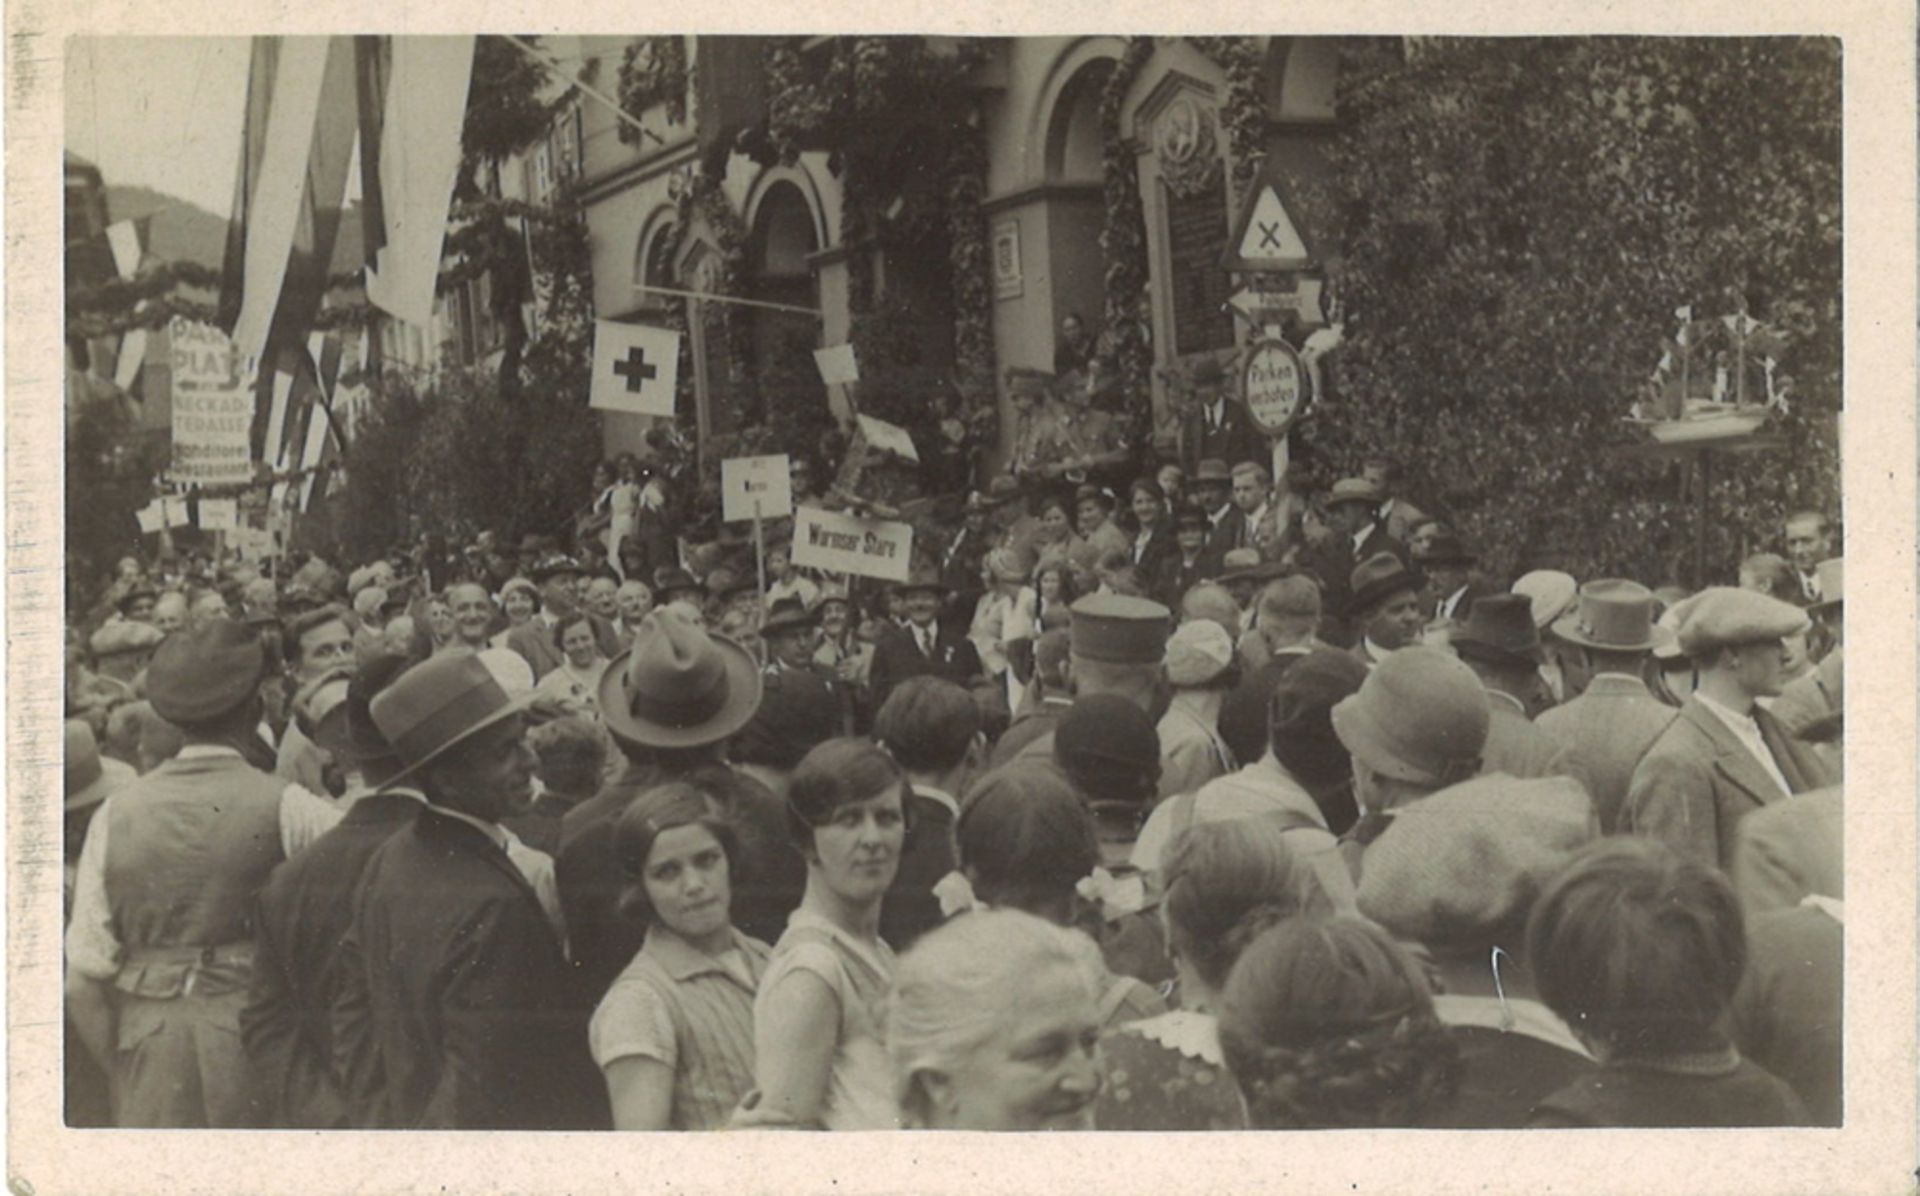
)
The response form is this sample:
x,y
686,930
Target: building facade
x,y
1053,121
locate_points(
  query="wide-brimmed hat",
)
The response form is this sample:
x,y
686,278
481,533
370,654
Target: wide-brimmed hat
x,y
553,565
1354,490
1189,514
1499,630
677,686
1420,716
1830,573
1212,469
200,673
89,777
922,579
1246,564
1444,549
1550,592
1377,578
1613,615
788,614
439,704
348,732
1002,490
669,581
1206,371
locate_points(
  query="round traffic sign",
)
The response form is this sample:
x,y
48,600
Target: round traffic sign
x,y
1276,385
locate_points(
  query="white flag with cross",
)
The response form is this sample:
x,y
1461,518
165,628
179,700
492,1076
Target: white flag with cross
x,y
634,368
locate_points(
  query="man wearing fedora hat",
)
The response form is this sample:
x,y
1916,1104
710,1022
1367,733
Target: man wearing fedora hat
x,y
1033,423
159,950
1502,646
671,703
1383,608
1213,425
1724,755
1357,537
302,966
1616,718
790,632
558,577
1451,588
923,647
471,1013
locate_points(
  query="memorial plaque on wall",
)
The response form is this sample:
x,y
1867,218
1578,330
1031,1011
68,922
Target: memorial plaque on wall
x,y
1197,234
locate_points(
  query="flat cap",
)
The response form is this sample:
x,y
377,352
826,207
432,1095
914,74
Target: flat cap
x,y
1724,615
1469,860
1120,628
200,673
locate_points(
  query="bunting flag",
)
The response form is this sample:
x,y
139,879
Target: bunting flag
x,y
127,239
296,148
418,163
132,356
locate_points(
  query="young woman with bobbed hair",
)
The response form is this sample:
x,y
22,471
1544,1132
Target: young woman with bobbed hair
x,y
993,1026
1224,883
819,1060
1329,1024
1026,839
674,1034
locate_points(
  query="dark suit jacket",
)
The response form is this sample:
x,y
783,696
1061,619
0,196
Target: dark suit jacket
x,y
473,1016
897,657
1160,546
1174,578
1236,441
303,915
910,908
1333,563
1698,781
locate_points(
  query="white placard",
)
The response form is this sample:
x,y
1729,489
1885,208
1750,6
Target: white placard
x,y
635,368
219,514
151,517
212,407
743,480
841,543
177,513
836,364
882,435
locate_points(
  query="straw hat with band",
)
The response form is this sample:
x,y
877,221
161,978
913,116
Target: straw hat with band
x,y
789,614
1212,470
1354,490
922,579
1612,615
437,705
677,686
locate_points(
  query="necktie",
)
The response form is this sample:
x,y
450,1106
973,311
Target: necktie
x,y
926,641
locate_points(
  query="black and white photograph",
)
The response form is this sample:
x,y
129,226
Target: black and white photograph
x,y
1135,583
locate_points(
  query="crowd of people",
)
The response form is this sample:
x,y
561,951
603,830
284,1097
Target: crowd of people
x,y
1181,801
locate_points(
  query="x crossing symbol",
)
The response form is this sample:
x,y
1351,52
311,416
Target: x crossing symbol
x,y
635,370
1269,234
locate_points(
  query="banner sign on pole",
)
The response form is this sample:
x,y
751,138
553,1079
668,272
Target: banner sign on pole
x,y
843,544
151,517
837,366
212,408
892,437
743,480
177,513
219,514
635,368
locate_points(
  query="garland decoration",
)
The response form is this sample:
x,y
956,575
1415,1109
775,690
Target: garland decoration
x,y
1123,238
653,71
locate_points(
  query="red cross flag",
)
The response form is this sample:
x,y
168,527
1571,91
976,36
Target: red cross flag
x,y
634,368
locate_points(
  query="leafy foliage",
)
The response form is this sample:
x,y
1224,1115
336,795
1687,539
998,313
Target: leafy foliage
x,y
1520,218
653,71
505,111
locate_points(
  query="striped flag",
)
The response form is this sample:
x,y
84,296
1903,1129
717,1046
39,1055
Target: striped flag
x,y
418,164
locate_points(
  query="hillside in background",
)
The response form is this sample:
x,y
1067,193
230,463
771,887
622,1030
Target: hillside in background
x,y
185,232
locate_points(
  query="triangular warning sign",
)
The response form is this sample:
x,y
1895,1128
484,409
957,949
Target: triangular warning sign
x,y
1269,235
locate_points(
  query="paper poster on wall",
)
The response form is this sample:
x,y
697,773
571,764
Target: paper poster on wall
x,y
837,365
212,408
747,480
843,544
